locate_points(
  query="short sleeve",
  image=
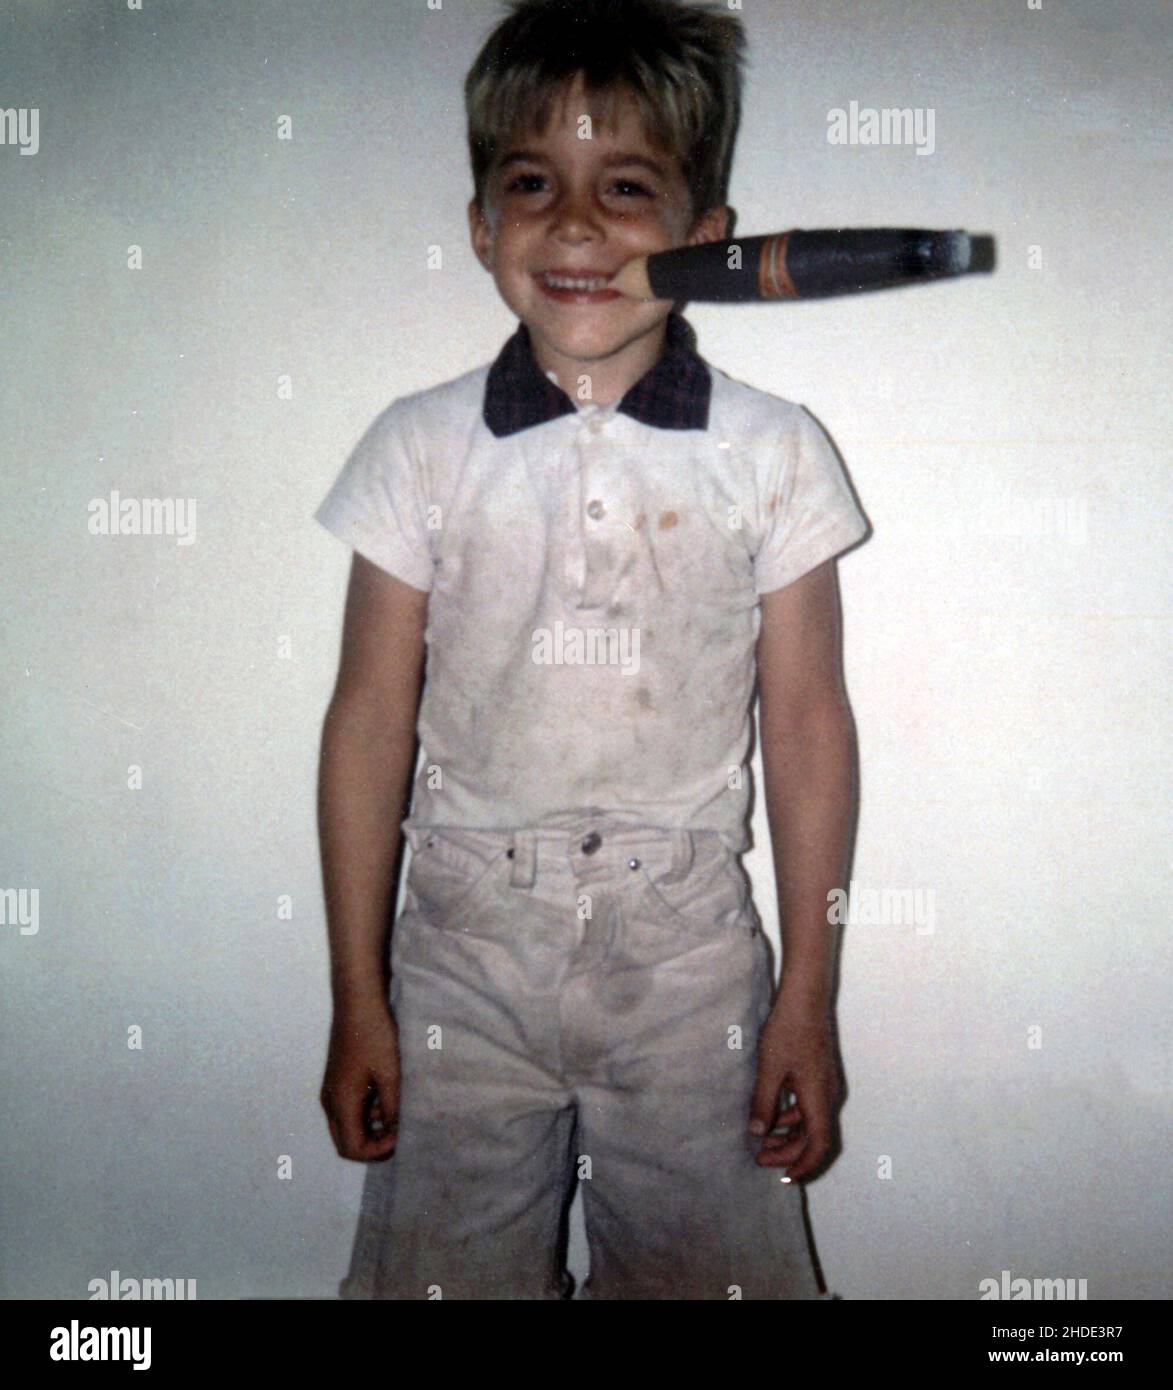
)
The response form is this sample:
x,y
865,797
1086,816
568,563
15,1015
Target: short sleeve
x,y
377,504
809,513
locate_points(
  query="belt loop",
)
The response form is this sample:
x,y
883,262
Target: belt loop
x,y
525,856
682,855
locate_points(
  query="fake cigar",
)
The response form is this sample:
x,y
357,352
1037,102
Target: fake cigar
x,y
802,265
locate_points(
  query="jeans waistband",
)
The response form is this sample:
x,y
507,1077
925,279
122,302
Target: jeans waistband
x,y
585,848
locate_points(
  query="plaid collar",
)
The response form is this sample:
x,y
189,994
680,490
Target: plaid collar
x,y
672,395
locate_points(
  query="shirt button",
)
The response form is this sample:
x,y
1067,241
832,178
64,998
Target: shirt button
x,y
591,843
596,511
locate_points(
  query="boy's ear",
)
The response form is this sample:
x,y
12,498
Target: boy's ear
x,y
480,234
714,225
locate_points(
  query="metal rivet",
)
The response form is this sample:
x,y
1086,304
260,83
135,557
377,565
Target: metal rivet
x,y
591,843
633,863
596,511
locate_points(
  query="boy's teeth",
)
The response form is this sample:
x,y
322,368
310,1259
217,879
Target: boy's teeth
x,y
565,282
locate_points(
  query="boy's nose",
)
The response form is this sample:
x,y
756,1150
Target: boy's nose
x,y
576,216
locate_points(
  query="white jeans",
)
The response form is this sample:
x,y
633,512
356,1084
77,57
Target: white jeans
x,y
578,1006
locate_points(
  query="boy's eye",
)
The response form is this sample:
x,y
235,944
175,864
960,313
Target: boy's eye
x,y
524,183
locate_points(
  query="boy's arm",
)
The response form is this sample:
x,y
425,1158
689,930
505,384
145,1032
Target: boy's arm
x,y
368,751
808,757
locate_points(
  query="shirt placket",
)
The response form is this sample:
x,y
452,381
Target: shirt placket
x,y
595,547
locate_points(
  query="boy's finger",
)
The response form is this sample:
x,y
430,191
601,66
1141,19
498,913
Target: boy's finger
x,y
815,1151
385,1106
784,1149
763,1107
379,1121
375,1150
362,1143
805,1166
811,1101
352,1122
377,1131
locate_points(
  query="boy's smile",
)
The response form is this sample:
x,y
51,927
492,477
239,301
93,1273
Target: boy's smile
x,y
563,214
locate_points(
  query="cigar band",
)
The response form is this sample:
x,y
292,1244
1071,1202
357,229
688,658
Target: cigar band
x,y
774,280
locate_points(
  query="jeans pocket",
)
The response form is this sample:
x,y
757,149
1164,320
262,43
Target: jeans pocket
x,y
447,883
713,896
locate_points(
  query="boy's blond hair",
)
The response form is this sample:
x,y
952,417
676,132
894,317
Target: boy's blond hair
x,y
680,62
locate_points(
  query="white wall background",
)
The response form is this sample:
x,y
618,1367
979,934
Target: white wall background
x,y
1007,676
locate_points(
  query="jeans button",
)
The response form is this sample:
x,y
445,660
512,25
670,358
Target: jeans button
x,y
591,843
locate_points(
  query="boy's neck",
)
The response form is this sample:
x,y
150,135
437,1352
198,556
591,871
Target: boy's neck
x,y
611,377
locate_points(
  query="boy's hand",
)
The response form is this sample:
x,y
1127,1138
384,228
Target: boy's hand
x,y
360,1091
796,1052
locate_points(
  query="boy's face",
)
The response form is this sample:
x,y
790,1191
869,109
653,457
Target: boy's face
x,y
558,204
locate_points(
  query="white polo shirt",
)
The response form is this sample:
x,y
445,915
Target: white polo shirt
x,y
593,578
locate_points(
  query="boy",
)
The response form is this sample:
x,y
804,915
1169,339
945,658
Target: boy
x,y
589,538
